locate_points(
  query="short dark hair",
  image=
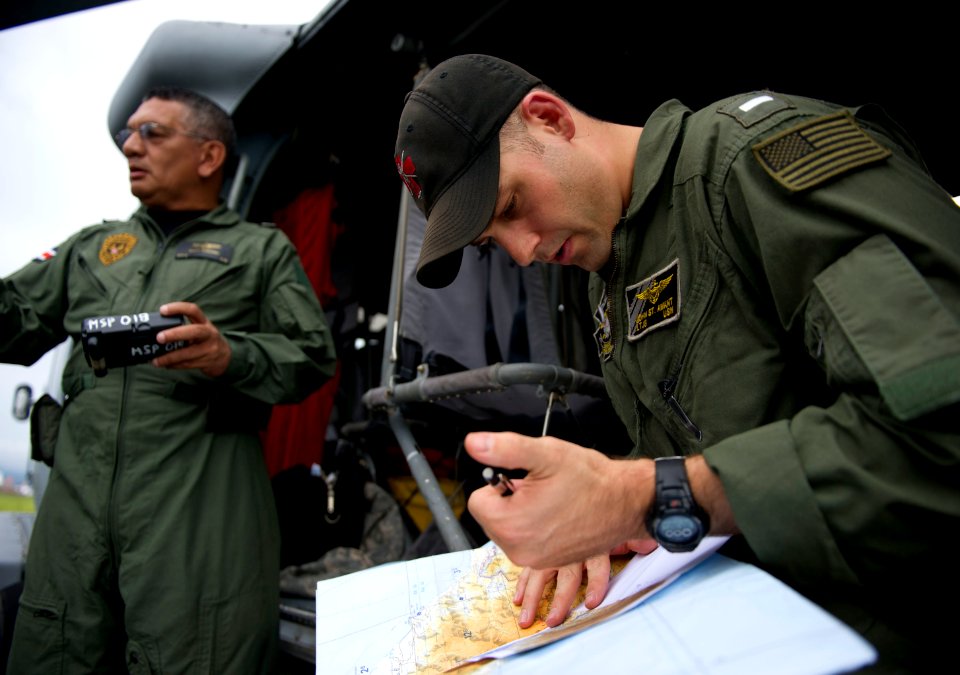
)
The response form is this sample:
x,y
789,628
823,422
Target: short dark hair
x,y
206,117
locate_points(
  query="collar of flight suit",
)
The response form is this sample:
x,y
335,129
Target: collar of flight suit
x,y
660,133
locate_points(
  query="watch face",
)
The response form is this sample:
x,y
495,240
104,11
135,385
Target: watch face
x,y
679,532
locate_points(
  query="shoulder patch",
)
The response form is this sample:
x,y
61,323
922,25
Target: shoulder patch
x,y
810,153
46,255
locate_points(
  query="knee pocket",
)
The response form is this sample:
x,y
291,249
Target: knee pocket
x,y
38,637
239,633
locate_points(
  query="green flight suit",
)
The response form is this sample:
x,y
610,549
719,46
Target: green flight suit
x,y
783,297
156,545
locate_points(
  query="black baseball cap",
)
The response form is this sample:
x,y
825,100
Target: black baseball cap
x,y
448,153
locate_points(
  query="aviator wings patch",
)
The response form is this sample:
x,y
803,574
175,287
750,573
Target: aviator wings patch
x,y
653,302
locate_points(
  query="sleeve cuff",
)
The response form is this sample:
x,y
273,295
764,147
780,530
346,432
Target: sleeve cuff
x,y
774,506
239,365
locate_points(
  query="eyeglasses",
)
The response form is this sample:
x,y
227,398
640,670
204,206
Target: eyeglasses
x,y
152,132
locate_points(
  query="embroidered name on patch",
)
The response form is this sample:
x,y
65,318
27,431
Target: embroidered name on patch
x,y
211,250
117,246
809,154
602,335
654,302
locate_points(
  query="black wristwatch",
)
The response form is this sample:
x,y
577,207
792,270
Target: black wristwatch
x,y
675,520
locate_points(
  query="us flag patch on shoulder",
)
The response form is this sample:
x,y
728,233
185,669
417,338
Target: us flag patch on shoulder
x,y
809,154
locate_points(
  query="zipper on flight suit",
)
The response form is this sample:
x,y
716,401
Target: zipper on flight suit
x,y
147,274
667,388
612,313
112,514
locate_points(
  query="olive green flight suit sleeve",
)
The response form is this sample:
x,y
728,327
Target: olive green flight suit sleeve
x,y
293,353
863,269
32,306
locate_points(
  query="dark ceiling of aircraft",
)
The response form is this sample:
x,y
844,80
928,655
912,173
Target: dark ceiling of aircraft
x,y
346,83
620,60
342,88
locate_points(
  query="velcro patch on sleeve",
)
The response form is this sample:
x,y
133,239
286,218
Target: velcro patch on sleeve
x,y
808,154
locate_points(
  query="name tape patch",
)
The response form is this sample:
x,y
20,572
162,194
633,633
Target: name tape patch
x,y
654,302
210,250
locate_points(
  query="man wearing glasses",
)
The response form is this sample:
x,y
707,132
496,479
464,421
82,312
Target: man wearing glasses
x,y
156,547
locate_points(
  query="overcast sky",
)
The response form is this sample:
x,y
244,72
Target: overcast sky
x,y
60,169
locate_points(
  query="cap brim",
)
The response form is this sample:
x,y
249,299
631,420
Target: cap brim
x,y
458,217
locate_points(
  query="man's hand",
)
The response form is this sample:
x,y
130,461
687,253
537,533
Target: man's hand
x,y
574,509
573,504
533,583
206,349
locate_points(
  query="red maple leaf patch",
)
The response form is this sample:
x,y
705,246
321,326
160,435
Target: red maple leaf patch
x,y
408,174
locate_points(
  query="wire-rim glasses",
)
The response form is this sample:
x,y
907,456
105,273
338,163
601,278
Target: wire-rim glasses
x,y
152,132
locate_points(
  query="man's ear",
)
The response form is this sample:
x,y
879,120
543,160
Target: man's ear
x,y
543,109
212,156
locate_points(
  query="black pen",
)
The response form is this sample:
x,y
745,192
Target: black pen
x,y
498,481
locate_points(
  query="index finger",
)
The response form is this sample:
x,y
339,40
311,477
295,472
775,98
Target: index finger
x,y
188,309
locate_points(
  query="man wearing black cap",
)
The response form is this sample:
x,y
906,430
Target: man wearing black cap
x,y
778,320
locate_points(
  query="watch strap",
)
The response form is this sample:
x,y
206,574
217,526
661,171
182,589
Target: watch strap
x,y
672,494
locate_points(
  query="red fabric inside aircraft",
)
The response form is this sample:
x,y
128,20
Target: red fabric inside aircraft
x,y
296,432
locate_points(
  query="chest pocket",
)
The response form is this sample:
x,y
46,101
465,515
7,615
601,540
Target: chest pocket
x,y
205,278
718,370
678,385
223,293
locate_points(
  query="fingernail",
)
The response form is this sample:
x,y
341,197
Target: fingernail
x,y
525,616
482,442
591,599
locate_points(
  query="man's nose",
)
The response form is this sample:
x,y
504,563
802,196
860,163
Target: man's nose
x,y
522,246
132,146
